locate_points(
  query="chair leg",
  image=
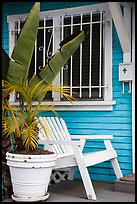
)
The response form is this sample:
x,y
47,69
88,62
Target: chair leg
x,y
87,183
84,174
116,168
114,161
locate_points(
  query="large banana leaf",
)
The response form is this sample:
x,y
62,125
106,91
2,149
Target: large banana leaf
x,y
24,47
50,71
23,51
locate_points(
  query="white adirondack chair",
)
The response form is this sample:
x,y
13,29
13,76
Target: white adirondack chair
x,y
69,150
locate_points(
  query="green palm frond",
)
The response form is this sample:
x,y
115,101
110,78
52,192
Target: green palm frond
x,y
44,128
37,90
18,87
23,120
44,107
29,135
62,90
7,126
12,121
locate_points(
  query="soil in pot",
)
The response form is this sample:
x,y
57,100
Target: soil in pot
x,y
36,151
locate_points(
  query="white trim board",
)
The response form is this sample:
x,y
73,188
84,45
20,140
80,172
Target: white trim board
x,y
78,105
120,26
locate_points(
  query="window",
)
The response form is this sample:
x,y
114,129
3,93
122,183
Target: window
x,y
88,73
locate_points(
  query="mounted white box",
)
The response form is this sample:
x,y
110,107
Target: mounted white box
x,y
125,72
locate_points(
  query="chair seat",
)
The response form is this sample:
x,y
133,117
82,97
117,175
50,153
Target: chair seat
x,y
65,161
64,155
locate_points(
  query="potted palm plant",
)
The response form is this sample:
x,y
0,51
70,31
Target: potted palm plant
x,y
30,166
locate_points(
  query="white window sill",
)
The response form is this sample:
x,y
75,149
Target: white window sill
x,y
79,105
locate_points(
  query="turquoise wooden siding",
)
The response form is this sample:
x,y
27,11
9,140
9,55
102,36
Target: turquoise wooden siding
x,y
117,122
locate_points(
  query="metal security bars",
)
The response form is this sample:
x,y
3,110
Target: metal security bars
x,y
84,72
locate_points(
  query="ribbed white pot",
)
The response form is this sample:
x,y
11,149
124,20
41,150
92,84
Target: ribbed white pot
x,y
30,175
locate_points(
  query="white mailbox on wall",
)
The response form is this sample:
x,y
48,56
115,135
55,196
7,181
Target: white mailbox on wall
x,y
126,74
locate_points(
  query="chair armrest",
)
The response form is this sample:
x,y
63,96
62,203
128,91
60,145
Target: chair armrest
x,y
92,137
61,142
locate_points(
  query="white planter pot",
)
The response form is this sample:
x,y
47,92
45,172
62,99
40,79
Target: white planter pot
x,y
30,175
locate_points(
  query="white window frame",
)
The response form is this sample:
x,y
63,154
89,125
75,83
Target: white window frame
x,y
108,102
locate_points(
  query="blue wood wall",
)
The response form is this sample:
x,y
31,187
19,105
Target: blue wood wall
x,y
116,122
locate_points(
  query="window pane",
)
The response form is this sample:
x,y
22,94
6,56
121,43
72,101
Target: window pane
x,y
94,44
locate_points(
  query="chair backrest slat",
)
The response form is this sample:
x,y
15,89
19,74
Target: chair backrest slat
x,y
60,135
55,128
54,134
46,126
64,136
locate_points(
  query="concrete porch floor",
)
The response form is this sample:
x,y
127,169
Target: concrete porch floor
x,y
73,191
